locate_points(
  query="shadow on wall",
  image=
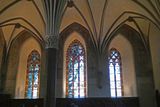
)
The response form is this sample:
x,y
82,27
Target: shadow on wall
x,y
158,98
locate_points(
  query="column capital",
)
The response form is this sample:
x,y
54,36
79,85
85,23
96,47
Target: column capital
x,y
51,41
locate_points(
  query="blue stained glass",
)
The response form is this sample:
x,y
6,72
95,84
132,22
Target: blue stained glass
x,y
115,73
76,78
32,78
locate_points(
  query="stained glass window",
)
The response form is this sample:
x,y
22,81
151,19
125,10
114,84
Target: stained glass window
x,y
115,73
32,76
76,71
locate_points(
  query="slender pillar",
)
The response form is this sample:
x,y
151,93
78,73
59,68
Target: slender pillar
x,y
51,65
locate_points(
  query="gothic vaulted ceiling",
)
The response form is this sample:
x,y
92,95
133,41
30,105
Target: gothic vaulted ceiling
x,y
100,17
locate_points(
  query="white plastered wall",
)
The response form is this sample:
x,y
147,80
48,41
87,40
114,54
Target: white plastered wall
x,y
26,48
128,70
154,40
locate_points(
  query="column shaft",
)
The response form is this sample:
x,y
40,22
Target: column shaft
x,y
51,64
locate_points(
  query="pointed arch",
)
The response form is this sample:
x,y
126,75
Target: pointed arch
x,y
75,54
72,32
17,55
143,68
76,27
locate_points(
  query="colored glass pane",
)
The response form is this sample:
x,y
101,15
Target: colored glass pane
x,y
75,67
32,76
115,73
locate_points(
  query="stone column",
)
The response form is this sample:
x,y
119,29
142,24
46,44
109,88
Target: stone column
x,y
51,67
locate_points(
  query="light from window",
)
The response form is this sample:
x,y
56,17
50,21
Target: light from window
x,y
75,70
32,78
115,73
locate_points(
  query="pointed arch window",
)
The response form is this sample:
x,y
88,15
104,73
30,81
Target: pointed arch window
x,y
75,70
115,73
32,75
